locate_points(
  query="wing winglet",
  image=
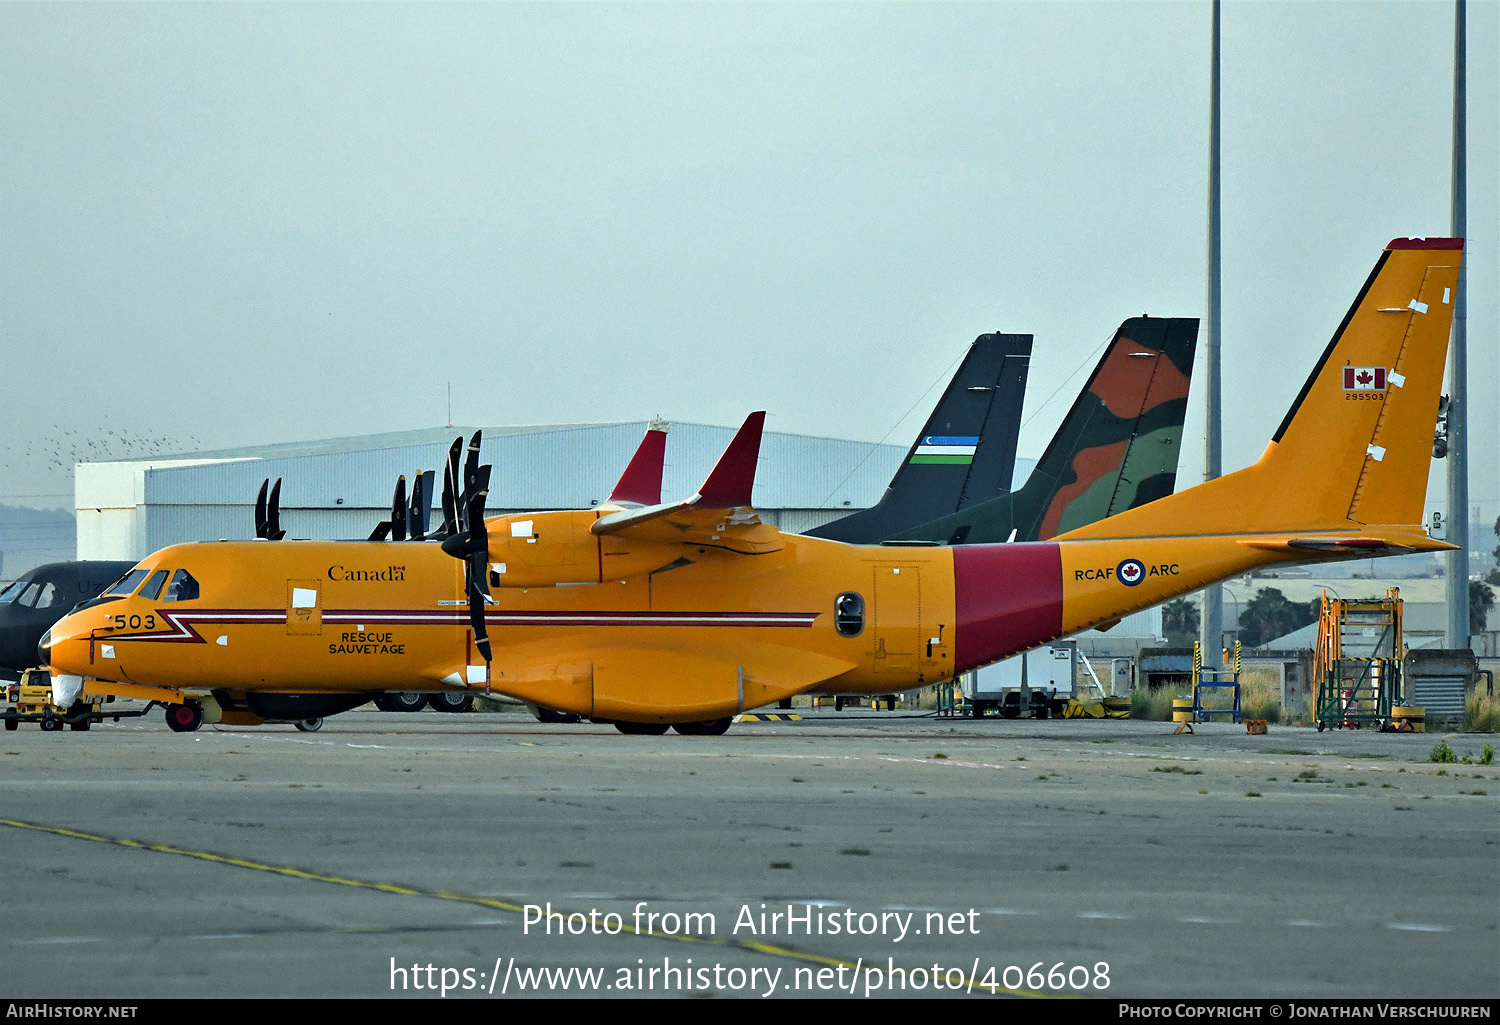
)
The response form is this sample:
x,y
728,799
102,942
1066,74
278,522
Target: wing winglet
x,y
733,477
640,484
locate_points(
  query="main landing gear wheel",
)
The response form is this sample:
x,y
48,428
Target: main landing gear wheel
x,y
711,728
184,718
649,729
408,702
309,725
451,702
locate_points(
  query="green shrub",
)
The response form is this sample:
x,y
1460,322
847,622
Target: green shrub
x,y
1442,753
1481,714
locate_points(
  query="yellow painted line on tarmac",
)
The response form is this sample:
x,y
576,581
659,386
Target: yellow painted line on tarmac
x,y
753,946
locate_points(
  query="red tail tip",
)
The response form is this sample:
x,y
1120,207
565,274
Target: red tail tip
x,y
1426,243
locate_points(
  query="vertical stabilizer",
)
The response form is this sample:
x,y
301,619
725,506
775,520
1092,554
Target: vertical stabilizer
x,y
966,452
1116,449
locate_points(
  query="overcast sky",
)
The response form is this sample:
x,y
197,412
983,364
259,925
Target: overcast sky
x,y
234,224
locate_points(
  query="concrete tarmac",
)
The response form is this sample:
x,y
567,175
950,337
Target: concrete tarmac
x,y
1100,858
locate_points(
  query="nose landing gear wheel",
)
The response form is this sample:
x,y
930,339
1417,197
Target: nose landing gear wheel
x,y
309,725
184,718
650,729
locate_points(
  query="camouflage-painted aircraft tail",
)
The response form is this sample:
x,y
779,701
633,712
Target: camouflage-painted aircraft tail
x,y
1116,449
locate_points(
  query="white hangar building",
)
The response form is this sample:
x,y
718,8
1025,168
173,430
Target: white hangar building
x,y
341,488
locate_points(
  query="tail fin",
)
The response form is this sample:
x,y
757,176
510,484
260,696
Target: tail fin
x,y
1116,449
1354,449
966,453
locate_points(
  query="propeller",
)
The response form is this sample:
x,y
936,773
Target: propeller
x,y
260,509
450,489
398,510
421,505
471,541
273,514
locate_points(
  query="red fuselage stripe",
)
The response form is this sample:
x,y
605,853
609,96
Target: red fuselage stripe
x,y
1006,598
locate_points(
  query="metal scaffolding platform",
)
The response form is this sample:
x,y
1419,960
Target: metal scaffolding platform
x,y
1358,661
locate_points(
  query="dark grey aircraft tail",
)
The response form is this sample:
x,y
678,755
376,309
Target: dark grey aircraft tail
x,y
965,454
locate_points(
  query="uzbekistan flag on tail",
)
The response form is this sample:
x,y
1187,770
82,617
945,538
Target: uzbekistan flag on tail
x,y
938,448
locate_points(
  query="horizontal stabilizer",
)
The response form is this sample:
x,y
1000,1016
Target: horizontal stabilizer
x,y
1356,547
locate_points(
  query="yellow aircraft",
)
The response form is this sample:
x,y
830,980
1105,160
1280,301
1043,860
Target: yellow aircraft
x,y
651,614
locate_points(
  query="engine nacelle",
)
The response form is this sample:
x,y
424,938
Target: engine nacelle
x,y
547,549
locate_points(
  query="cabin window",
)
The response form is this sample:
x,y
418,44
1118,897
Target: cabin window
x,y
849,614
12,592
182,588
153,585
128,583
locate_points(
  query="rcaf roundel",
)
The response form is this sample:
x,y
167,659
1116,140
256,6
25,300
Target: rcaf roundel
x,y
1364,379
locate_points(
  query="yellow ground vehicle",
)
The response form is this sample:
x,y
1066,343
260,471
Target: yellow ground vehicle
x,y
30,700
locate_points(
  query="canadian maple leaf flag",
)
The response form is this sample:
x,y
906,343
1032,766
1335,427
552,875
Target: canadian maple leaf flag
x,y
1364,379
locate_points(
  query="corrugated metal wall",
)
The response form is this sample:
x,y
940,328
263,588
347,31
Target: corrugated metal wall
x,y
334,489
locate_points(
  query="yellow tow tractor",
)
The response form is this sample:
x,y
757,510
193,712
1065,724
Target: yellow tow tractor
x,y
30,700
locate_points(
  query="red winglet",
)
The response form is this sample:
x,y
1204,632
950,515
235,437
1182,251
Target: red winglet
x,y
641,481
733,479
1426,243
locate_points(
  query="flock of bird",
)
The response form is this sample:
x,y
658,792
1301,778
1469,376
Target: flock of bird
x,y
36,468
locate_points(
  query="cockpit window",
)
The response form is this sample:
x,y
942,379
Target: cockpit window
x,y
48,597
128,583
28,597
182,588
12,592
153,585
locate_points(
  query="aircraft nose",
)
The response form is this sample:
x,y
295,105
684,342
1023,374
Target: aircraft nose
x,y
65,646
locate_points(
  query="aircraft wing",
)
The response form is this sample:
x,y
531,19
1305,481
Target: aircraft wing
x,y
718,516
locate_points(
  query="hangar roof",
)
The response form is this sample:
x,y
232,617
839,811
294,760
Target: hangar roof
x,y
548,466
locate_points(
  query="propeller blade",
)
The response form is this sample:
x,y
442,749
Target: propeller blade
x,y
273,513
398,510
381,532
477,624
477,565
471,468
416,518
260,508
450,505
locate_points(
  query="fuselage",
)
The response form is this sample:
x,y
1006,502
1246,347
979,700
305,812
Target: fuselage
x,y
721,633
